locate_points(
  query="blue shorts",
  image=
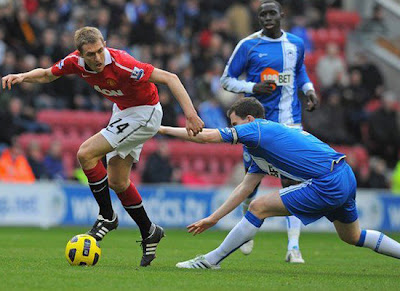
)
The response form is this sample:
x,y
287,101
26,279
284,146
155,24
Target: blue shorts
x,y
332,196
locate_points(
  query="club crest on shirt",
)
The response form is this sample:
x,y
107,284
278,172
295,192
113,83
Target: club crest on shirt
x,y
290,54
246,157
111,82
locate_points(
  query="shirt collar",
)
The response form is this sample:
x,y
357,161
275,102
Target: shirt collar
x,y
282,37
108,59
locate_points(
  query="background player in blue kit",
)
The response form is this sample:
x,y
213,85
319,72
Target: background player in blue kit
x,y
327,188
273,63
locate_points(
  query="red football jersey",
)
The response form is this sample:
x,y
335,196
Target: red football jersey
x,y
124,80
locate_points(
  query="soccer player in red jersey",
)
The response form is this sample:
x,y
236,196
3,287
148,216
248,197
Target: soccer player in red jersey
x,y
136,118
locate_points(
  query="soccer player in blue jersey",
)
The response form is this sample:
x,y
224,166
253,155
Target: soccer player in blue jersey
x,y
273,63
327,183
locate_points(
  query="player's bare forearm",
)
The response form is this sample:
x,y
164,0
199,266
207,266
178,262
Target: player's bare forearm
x,y
208,135
241,192
39,76
181,96
238,196
194,124
35,76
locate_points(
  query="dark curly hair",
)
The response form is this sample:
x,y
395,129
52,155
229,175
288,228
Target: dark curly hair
x,y
247,106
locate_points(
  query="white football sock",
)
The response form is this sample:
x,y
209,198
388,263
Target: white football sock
x,y
293,231
244,231
380,243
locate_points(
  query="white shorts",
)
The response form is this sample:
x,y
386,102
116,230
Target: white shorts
x,y
128,129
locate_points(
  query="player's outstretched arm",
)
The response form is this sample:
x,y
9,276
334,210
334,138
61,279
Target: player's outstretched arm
x,y
208,135
35,76
194,124
241,192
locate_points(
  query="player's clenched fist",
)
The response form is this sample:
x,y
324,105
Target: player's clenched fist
x,y
265,87
11,79
312,100
194,125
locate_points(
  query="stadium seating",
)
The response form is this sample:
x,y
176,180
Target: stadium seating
x,y
68,119
342,19
322,36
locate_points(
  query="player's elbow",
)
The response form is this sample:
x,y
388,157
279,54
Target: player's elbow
x,y
48,76
171,78
224,80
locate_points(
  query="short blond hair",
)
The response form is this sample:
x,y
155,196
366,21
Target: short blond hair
x,y
85,35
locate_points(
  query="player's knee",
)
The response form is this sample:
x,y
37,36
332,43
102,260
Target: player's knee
x,y
118,185
83,154
256,207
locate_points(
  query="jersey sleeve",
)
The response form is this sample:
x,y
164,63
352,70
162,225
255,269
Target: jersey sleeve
x,y
228,135
234,68
247,134
302,79
66,66
140,72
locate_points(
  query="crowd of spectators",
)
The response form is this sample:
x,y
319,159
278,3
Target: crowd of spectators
x,y
193,39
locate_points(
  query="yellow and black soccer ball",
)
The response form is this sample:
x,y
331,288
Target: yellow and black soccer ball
x,y
82,250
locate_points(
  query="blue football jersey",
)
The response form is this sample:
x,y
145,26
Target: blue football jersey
x,y
277,149
262,58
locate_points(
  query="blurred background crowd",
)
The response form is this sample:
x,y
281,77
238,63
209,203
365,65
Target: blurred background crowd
x,y
194,39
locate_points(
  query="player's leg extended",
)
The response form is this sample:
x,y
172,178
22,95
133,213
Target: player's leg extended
x,y
293,225
372,239
247,247
118,174
119,171
89,155
261,208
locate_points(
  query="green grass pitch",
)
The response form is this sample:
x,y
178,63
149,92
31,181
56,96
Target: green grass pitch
x,y
33,259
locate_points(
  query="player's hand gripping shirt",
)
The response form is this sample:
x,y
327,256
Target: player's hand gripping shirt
x,y
124,80
262,58
277,149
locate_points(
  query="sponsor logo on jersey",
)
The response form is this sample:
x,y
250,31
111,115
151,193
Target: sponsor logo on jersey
x,y
137,73
112,93
266,167
260,55
111,82
281,79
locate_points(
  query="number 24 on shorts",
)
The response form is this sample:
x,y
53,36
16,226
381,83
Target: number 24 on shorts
x,y
117,127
